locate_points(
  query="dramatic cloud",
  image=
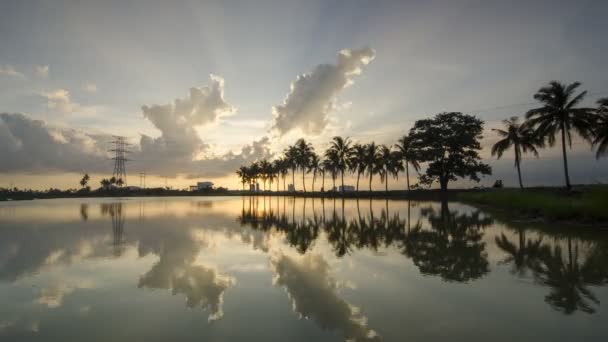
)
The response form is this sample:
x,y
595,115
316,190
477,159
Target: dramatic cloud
x,y
177,122
313,95
313,292
9,70
31,145
41,71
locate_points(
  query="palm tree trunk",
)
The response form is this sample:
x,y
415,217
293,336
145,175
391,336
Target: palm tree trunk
x,y
293,178
521,184
323,182
407,174
342,181
303,181
358,176
314,176
568,186
370,182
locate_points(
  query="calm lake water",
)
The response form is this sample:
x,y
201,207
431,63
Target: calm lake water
x,y
279,269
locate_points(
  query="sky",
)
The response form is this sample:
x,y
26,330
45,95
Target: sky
x,y
202,87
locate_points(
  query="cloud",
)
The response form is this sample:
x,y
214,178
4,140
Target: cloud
x,y
312,96
31,145
41,71
60,100
9,70
90,87
313,292
177,122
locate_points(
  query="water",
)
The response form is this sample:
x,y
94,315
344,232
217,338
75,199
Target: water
x,y
279,269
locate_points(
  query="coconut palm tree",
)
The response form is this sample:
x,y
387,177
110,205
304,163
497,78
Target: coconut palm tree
x,y
254,174
303,152
357,161
265,171
395,164
342,149
384,161
243,174
518,136
314,166
85,180
291,162
559,114
330,164
600,137
409,156
371,161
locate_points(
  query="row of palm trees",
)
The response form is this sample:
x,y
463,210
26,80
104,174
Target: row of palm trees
x,y
342,156
560,116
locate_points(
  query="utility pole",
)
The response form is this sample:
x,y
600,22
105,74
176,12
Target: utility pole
x,y
142,180
120,150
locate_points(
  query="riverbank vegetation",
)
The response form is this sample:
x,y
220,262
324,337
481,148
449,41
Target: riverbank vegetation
x,y
584,204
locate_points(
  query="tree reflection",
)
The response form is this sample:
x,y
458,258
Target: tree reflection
x,y
452,248
569,276
524,256
115,211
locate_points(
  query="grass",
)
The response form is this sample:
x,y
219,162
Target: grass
x,y
588,203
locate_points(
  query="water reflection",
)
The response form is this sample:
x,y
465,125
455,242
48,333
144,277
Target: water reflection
x,y
311,248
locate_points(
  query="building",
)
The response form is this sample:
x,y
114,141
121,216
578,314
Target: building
x,y
254,187
204,186
347,188
291,188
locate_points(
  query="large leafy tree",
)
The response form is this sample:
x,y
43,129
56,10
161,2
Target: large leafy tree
x,y
518,136
450,143
601,131
559,114
409,157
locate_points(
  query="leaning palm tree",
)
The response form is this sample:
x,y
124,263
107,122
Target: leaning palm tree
x,y
409,157
371,161
560,115
341,147
303,151
357,161
600,134
518,136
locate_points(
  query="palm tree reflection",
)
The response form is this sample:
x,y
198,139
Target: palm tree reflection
x,y
115,211
569,276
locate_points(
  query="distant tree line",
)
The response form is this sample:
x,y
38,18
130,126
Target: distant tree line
x,y
448,143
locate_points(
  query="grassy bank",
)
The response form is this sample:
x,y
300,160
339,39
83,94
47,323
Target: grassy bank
x,y
588,204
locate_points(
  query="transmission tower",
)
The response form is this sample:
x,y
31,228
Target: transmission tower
x,y
120,150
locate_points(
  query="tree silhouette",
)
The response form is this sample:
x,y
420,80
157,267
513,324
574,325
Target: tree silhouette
x,y
449,142
560,115
601,131
341,148
523,257
409,156
521,138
